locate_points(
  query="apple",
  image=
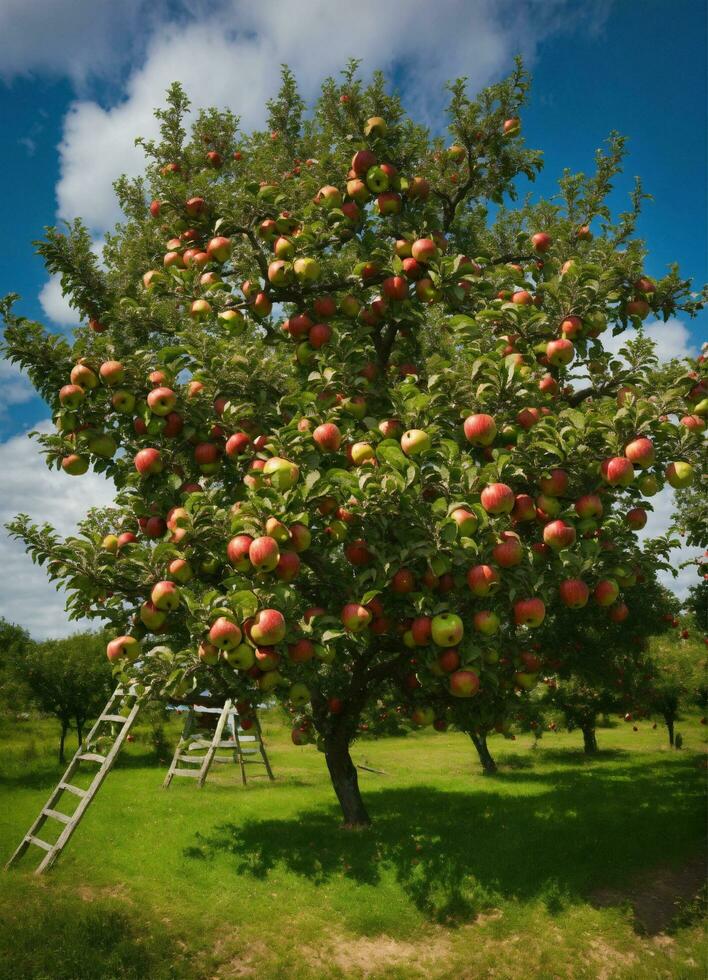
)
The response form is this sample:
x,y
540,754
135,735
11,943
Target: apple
x,y
390,428
574,593
123,647
236,444
463,683
648,484
529,612
640,451
619,612
219,249
637,307
301,651
480,430
123,401
243,657
508,553
358,554
268,627
306,269
299,694
555,484
148,462
363,161
511,126
559,535
679,475
466,521
605,592
524,508
83,376
155,527
165,596
361,453
588,506
571,327
300,537
486,622
180,570
548,385
277,530
497,498
355,617
636,518
237,552
101,444
541,241
200,309
151,617
110,543
424,250
403,582
446,629
264,554
127,537
281,472
71,396
560,352
694,423
395,288
421,630
288,566
415,442
482,580
225,634
617,471
422,716
161,401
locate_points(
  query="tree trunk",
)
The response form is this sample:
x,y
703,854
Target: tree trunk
x,y
64,730
489,766
669,719
345,781
589,739
79,731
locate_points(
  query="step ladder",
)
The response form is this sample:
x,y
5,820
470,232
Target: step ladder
x,y
111,726
189,763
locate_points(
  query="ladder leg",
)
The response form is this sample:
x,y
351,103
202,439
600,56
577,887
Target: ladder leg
x,y
240,756
208,758
183,739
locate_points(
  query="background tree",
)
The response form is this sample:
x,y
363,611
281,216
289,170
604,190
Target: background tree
x,y
69,679
14,644
341,404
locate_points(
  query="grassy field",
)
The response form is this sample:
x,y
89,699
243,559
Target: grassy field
x,y
559,866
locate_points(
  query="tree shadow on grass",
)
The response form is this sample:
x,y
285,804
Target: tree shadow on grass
x,y
457,852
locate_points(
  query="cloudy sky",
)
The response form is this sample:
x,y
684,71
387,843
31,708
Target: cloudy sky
x,y
79,80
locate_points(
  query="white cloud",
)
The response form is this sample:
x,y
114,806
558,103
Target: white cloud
x,y
230,57
27,486
657,525
15,388
73,38
672,339
55,305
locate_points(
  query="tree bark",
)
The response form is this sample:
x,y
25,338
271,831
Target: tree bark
x,y
345,781
79,731
489,766
669,719
62,739
589,739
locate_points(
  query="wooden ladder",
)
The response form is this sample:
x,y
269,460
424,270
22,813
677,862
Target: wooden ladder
x,y
206,760
236,745
109,716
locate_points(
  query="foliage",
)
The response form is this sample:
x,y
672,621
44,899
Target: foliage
x,y
14,643
67,678
265,284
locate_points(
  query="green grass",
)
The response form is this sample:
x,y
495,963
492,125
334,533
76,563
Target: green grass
x,y
532,873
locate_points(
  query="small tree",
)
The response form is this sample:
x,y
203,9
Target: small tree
x,y
69,679
349,406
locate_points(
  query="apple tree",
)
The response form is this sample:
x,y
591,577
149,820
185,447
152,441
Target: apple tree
x,y
355,404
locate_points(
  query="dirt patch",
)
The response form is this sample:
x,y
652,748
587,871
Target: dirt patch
x,y
656,896
374,956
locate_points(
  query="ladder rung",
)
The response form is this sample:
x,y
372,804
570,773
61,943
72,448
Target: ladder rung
x,y
186,772
190,758
56,815
40,843
92,757
72,789
119,719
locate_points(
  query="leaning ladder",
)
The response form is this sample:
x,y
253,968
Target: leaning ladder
x,y
109,716
189,743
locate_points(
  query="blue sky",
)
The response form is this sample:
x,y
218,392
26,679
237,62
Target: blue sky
x,y
78,80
